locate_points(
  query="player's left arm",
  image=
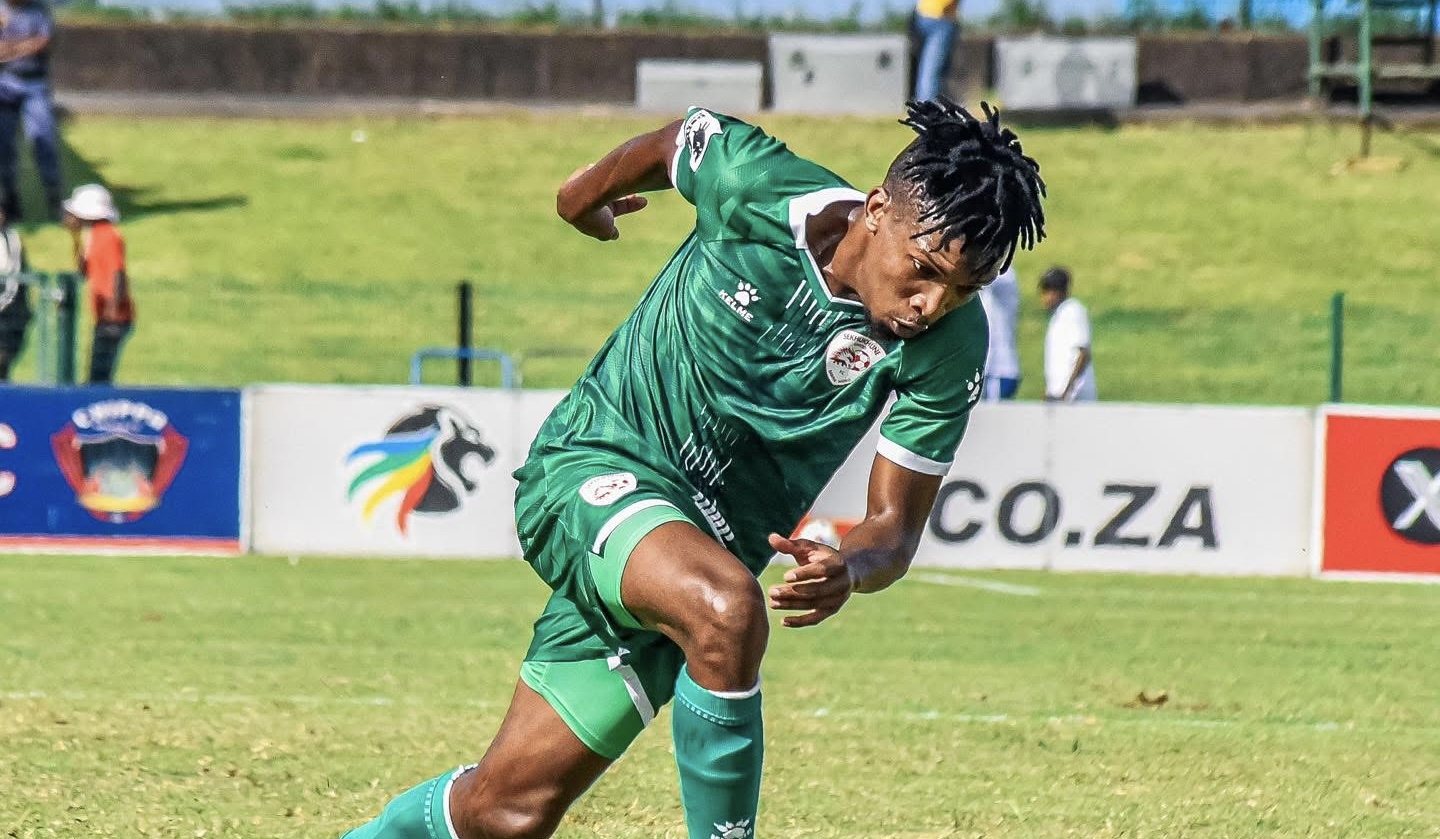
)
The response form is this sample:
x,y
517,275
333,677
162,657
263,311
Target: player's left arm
x,y
874,554
937,386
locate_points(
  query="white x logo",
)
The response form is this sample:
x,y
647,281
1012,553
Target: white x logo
x,y
1426,489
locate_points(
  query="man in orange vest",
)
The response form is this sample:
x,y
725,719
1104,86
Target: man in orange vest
x,y
91,217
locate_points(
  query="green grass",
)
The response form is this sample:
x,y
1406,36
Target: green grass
x,y
286,251
164,697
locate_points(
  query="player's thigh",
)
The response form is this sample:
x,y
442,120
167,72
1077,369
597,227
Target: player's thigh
x,y
600,669
533,771
679,575
581,513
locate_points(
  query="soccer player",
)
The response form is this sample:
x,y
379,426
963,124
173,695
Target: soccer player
x,y
656,492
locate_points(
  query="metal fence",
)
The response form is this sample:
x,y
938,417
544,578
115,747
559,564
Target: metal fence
x,y
53,300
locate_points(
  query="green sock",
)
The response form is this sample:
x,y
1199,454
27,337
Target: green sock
x,y
419,813
719,748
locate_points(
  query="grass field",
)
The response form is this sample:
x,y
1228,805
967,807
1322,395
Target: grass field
x,y
287,251
258,697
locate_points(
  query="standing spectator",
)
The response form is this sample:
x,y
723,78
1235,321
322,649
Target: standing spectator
x,y
1001,300
91,217
1069,374
25,101
934,26
14,298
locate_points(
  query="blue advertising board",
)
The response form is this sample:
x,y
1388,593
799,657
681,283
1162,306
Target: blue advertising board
x,y
120,468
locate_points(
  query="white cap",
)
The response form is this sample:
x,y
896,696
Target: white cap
x,y
91,202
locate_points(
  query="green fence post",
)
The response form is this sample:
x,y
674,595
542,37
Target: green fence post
x,y
66,304
1337,344
39,291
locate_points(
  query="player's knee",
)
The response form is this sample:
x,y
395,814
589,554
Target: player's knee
x,y
729,629
516,818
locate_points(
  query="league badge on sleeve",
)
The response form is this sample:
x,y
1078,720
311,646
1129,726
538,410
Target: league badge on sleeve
x,y
695,135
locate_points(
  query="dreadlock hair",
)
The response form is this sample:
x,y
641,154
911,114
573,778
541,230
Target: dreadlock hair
x,y
969,179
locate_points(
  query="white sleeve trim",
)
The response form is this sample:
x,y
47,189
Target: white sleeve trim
x,y
812,203
675,158
901,456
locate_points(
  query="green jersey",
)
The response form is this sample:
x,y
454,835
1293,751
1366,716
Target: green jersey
x,y
740,377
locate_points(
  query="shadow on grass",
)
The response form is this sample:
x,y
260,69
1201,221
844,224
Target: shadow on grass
x,y
134,201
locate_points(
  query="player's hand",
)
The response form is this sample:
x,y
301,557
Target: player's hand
x,y
817,588
600,222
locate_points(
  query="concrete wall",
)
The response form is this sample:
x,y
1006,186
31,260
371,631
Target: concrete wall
x,y
368,62
565,66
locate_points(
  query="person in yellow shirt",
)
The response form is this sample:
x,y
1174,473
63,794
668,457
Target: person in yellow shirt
x,y
935,28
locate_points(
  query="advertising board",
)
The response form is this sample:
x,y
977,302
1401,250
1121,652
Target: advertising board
x,y
1110,487
120,469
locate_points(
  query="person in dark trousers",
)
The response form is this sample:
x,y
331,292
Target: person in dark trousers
x,y
25,32
14,298
934,26
91,217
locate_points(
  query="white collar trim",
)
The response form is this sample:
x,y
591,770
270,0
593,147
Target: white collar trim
x,y
803,207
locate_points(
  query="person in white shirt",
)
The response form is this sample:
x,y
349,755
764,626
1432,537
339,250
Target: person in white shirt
x,y
1001,300
14,297
1069,371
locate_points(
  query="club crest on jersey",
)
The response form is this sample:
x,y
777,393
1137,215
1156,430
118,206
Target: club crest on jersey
x,y
695,135
849,355
604,490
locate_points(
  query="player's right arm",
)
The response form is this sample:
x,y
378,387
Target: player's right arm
x,y
594,195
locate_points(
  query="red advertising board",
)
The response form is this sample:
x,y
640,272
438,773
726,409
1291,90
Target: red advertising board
x,y
1379,487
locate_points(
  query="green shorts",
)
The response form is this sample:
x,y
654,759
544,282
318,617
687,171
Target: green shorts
x,y
580,514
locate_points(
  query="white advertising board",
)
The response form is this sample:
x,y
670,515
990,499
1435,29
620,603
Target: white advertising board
x,y
839,74
1175,489
389,471
1040,73
673,84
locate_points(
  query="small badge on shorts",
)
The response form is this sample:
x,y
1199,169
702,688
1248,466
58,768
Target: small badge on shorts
x,y
604,490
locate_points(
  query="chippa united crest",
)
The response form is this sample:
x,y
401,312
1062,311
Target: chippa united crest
x,y
119,456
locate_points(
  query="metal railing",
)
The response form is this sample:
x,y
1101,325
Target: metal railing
x,y
509,370
54,313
